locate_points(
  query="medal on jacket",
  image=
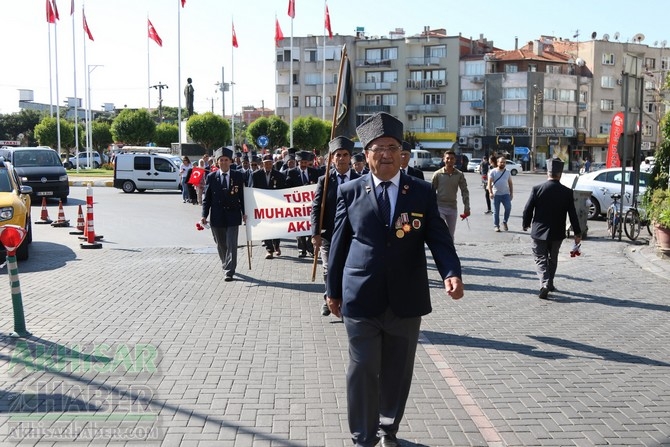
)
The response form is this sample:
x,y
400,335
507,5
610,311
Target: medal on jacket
x,y
402,225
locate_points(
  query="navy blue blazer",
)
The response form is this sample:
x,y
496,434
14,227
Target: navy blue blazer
x,y
546,210
372,266
294,177
260,181
329,207
225,206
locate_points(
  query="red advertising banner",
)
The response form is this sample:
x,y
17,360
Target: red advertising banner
x,y
616,131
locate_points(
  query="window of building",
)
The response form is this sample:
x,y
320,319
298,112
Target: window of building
x,y
283,55
471,120
295,79
312,101
607,81
381,54
310,55
373,100
390,100
604,128
548,121
566,95
472,95
389,76
514,120
650,63
296,101
532,67
475,68
435,51
554,69
550,94
373,76
435,123
647,130
511,68
564,121
608,58
650,107
313,79
514,93
584,96
433,98
606,105
581,122
665,63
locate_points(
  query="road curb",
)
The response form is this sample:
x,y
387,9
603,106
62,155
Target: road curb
x,y
100,182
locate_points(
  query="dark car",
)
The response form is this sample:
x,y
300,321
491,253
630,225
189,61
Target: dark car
x,y
41,169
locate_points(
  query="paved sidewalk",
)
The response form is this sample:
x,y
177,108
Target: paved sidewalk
x,y
137,345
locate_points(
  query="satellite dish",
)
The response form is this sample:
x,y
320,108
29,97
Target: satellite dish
x,y
20,136
580,61
593,35
656,43
606,37
664,43
639,37
616,35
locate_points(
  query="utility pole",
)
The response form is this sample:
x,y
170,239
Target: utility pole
x,y
160,88
262,107
223,87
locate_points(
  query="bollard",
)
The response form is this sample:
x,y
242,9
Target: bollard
x,y
90,231
11,237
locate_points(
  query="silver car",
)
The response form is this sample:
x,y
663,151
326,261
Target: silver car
x,y
604,183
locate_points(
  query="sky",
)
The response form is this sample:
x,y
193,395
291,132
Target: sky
x,y
121,56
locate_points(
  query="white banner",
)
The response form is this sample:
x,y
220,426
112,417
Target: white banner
x,y
278,213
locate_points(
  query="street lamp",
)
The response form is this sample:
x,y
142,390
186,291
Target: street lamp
x,y
537,100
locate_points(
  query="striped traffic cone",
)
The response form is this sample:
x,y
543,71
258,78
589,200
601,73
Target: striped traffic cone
x,y
91,238
80,223
44,216
61,221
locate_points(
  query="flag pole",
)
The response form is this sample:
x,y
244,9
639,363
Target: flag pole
x,y
232,89
324,195
51,100
58,139
87,79
323,96
290,99
179,71
74,69
148,69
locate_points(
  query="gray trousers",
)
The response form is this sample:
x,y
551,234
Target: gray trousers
x,y
546,260
226,244
381,362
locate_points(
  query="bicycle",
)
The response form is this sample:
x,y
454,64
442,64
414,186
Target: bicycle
x,y
634,220
614,217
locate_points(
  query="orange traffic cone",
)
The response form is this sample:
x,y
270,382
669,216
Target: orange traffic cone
x,y
61,221
80,223
44,216
91,238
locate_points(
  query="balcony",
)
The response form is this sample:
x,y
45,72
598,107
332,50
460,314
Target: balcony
x,y
477,79
426,84
373,62
477,104
423,61
422,108
373,86
373,109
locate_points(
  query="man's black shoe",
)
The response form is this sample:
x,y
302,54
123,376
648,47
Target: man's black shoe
x,y
228,278
552,288
269,255
390,441
324,310
544,293
302,254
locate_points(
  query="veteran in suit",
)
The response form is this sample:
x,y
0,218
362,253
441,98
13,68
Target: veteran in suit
x,y
269,178
545,213
303,174
223,203
340,149
378,280
405,168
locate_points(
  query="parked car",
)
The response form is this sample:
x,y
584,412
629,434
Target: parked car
x,y
15,206
82,158
420,159
604,183
41,169
647,164
513,167
473,164
145,171
436,162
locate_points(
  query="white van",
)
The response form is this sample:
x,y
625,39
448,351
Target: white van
x,y
420,159
145,171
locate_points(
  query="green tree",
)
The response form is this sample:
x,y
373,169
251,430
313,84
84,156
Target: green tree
x,y
208,130
21,123
166,134
169,114
310,133
259,127
240,133
46,133
101,132
411,138
134,127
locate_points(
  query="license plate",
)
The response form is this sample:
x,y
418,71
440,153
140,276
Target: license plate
x,y
45,193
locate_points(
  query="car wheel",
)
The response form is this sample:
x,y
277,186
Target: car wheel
x,y
64,200
594,209
29,228
22,252
128,186
96,165
514,172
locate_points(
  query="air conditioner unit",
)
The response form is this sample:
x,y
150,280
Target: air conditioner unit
x,y
477,143
619,81
411,117
462,141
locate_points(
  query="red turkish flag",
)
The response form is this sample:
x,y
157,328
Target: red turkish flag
x,y
72,7
330,31
88,31
196,176
183,3
278,34
51,16
153,35
234,37
55,10
291,9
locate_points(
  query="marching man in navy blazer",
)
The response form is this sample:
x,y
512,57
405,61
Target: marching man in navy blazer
x,y
378,280
546,211
223,202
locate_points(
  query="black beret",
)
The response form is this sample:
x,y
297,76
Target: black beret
x,y
223,152
358,157
339,143
406,146
556,166
267,157
292,150
238,154
379,125
304,155
256,158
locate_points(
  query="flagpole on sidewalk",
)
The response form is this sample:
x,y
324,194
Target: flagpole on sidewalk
x,y
87,79
148,71
76,98
291,13
232,86
323,96
179,68
51,99
57,91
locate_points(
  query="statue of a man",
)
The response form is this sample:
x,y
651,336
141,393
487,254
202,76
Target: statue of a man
x,y
188,93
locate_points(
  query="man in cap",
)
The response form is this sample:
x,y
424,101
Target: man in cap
x,y
269,178
325,198
405,155
358,161
378,279
546,210
223,202
301,175
446,182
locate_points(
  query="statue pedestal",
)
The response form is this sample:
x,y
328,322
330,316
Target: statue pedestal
x,y
184,136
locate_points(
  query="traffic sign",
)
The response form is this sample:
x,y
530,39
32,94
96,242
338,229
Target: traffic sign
x,y
263,141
